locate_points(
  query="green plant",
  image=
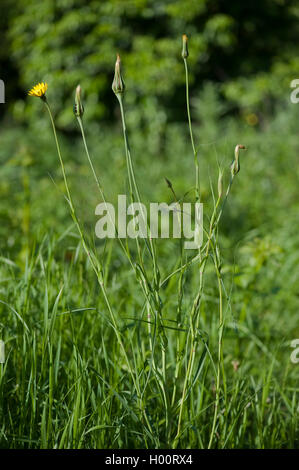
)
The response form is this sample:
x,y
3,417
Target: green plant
x,y
150,281
113,344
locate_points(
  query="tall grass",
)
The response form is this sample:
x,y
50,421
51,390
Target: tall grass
x,y
133,357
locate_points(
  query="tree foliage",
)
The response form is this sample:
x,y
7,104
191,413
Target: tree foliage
x,y
249,48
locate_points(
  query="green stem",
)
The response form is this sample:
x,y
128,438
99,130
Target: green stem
x,y
100,188
155,294
126,251
97,269
191,132
194,319
89,159
220,336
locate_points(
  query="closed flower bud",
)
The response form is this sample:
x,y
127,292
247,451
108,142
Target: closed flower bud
x,y
185,52
118,85
235,166
78,106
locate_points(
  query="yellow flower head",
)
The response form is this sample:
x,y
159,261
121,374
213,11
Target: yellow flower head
x,y
38,90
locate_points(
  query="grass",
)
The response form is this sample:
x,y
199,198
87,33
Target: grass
x,y
117,346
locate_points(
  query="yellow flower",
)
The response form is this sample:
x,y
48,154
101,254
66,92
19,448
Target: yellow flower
x,y
38,90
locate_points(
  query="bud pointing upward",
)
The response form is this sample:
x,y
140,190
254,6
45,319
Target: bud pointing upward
x,y
185,52
118,85
78,106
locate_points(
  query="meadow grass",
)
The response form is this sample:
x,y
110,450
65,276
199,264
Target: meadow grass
x,y
142,344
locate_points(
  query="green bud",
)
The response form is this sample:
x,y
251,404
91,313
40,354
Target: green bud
x,y
235,166
78,106
118,85
185,52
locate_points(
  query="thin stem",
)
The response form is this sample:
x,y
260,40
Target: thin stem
x,y
155,294
194,317
220,347
100,188
191,132
126,250
97,269
89,159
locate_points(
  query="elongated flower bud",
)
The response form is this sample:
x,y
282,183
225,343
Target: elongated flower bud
x,y
78,106
118,85
185,52
235,166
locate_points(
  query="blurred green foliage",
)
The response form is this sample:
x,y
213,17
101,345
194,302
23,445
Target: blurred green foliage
x,y
248,48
